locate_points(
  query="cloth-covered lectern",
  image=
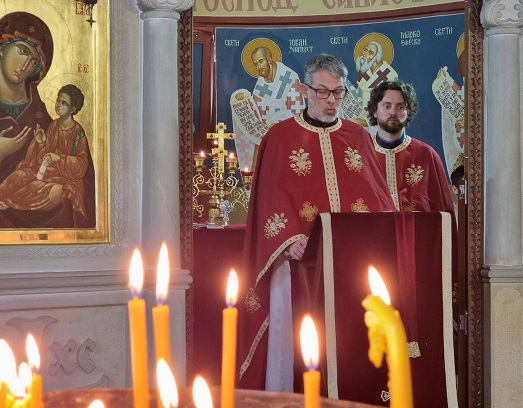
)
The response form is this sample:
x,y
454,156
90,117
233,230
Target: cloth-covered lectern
x,y
413,254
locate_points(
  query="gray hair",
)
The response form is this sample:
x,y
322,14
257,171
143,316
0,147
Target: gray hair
x,y
379,50
325,62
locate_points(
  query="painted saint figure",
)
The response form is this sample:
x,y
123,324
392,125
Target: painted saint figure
x,y
56,161
276,96
373,55
26,53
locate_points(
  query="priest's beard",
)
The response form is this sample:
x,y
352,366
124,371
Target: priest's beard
x,y
323,115
391,125
362,65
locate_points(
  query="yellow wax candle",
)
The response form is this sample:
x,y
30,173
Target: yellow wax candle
x,y
7,371
230,317
20,403
138,334
310,351
166,385
201,394
35,387
10,400
3,394
400,380
161,312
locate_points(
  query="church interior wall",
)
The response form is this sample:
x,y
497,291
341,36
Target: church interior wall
x,y
74,297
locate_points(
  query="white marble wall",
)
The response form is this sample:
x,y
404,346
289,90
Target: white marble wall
x,y
74,297
503,271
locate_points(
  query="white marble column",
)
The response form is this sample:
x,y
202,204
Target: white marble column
x,y
160,190
160,198
503,271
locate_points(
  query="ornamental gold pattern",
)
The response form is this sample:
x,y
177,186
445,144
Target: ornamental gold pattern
x,y
414,351
359,206
308,211
353,160
414,174
300,162
409,207
274,225
252,301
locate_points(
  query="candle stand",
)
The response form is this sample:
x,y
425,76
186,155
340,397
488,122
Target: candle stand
x,y
225,191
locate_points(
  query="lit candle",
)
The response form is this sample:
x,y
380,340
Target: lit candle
x,y
387,335
230,316
35,388
231,161
138,333
247,175
161,311
166,385
18,385
7,370
310,351
201,394
199,159
96,404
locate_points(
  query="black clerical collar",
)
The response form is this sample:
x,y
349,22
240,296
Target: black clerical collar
x,y
315,122
390,145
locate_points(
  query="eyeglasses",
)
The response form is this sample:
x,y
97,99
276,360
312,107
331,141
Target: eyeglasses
x,y
325,93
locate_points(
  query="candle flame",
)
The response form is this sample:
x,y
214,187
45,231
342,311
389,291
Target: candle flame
x,y
136,274
309,343
96,404
162,275
25,375
33,356
201,393
377,285
16,385
231,156
232,289
202,154
166,385
7,362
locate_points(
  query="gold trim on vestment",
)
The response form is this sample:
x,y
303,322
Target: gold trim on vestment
x,y
390,164
254,346
331,179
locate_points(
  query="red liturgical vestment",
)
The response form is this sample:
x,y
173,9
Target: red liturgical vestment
x,y
302,170
415,175
413,254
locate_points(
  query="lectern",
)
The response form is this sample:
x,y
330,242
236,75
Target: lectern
x,y
413,254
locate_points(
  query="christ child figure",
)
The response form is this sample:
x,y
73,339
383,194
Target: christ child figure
x,y
56,161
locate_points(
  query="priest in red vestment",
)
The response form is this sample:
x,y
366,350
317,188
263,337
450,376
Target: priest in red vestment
x,y
312,163
414,171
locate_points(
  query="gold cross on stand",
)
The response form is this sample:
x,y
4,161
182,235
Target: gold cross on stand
x,y
219,152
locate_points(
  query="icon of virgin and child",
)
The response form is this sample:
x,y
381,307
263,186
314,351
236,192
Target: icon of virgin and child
x,y
47,177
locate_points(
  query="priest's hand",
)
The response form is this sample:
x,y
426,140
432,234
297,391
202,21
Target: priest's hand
x,y
297,249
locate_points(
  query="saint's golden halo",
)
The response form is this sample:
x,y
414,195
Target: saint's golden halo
x,y
460,46
386,44
248,65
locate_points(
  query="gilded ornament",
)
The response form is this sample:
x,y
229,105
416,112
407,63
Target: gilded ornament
x,y
353,160
308,211
414,351
300,162
359,206
252,301
414,174
409,207
274,225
